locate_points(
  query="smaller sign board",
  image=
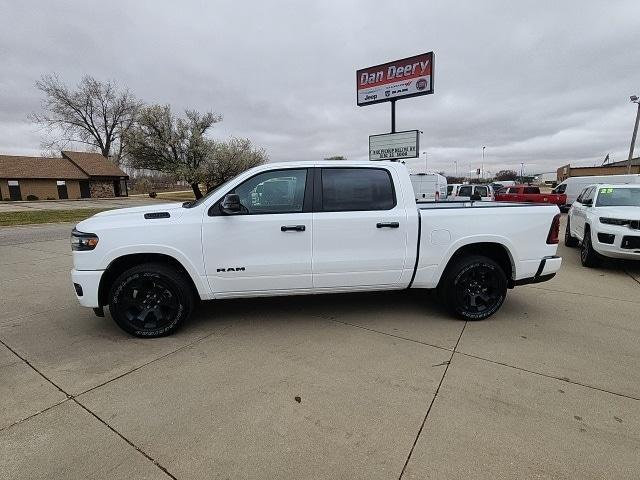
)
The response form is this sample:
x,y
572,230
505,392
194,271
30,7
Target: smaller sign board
x,y
404,78
394,146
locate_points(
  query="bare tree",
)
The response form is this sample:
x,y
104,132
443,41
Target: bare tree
x,y
97,114
161,141
231,158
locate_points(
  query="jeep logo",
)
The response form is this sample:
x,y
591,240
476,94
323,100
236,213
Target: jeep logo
x,y
231,269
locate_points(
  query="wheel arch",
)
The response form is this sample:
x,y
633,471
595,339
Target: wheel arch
x,y
497,252
124,262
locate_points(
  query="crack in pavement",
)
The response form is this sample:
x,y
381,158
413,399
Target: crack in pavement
x,y
435,395
88,410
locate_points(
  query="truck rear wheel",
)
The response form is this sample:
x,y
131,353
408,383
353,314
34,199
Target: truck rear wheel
x,y
150,300
474,287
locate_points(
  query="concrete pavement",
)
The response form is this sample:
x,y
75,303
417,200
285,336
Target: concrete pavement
x,y
375,386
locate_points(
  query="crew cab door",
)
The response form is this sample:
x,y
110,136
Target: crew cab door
x,y
359,228
267,246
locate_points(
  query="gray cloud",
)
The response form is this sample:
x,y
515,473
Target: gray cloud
x,y
543,83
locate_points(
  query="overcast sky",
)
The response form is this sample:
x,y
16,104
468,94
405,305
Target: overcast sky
x,y
542,82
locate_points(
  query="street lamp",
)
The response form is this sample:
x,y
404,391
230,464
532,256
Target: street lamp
x,y
482,164
634,99
425,161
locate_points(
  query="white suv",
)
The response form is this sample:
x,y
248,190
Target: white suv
x,y
605,222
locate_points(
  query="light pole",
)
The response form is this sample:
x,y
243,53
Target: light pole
x,y
482,164
425,161
634,99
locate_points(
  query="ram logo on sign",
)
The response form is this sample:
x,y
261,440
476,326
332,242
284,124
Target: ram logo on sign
x,y
394,146
409,77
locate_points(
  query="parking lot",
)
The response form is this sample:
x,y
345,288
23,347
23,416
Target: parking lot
x,y
371,386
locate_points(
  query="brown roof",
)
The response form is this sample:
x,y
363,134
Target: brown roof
x,y
94,164
12,166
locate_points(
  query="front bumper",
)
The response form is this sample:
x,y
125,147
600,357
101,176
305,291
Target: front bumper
x,y
86,284
615,249
546,271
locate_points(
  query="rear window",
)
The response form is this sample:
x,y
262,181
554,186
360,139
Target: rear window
x,y
345,189
465,191
482,191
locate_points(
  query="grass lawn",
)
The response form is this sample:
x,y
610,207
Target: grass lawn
x,y
176,196
47,216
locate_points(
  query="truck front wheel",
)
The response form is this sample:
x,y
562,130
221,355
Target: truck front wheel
x,y
474,287
150,300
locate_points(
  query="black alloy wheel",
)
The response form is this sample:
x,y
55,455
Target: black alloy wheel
x,y
569,240
588,256
150,300
474,287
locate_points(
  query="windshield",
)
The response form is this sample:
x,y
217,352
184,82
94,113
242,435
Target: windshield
x,y
195,203
618,197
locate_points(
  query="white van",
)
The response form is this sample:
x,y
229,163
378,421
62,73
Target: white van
x,y
429,186
464,192
572,186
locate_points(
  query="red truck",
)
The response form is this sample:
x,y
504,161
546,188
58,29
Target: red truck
x,y
528,193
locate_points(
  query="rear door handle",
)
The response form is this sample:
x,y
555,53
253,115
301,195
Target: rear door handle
x,y
293,228
387,225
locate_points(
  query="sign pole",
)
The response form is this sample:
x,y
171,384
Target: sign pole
x,y
393,116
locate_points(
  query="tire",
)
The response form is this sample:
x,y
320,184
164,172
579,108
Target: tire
x,y
570,240
588,256
150,300
474,287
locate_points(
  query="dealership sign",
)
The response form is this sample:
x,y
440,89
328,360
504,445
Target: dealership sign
x,y
409,77
394,146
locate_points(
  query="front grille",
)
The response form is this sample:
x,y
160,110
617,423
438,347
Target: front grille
x,y
631,243
635,224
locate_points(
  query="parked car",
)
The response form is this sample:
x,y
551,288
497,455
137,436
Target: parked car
x,y
352,227
429,187
529,193
572,186
605,221
497,186
469,191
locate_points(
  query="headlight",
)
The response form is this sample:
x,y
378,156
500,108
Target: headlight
x,y
81,241
614,221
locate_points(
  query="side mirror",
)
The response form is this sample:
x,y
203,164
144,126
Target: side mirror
x,y
231,204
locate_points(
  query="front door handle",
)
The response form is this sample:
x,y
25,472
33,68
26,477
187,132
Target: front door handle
x,y
387,225
293,228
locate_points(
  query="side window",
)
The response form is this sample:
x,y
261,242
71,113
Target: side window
x,y
465,191
513,190
482,191
449,189
345,189
277,191
588,195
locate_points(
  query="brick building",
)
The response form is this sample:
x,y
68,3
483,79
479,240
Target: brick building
x,y
614,168
75,175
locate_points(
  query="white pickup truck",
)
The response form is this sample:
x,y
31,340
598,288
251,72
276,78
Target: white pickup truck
x,y
308,227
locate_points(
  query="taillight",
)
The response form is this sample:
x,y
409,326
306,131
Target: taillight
x,y
554,231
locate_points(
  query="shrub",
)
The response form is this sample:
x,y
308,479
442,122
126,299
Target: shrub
x,y
32,197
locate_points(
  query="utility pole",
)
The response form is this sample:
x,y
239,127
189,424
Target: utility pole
x,y
634,99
